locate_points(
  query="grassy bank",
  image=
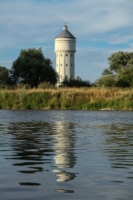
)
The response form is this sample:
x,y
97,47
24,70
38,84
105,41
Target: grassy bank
x,y
68,98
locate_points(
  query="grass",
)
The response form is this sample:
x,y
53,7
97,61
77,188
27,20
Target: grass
x,y
68,98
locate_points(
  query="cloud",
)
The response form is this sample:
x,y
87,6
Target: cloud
x,y
31,23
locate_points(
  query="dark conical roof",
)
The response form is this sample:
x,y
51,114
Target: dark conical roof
x,y
65,33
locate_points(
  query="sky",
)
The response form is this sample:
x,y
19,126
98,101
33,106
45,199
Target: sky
x,y
101,28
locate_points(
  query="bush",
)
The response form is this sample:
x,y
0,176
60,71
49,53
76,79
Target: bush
x,y
76,83
106,81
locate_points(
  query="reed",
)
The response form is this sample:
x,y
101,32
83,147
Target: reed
x,y
67,98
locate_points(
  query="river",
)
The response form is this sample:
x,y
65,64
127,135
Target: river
x,y
51,154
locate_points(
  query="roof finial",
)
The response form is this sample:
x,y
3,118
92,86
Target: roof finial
x,y
65,26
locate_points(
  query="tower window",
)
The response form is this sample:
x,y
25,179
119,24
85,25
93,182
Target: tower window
x,y
71,55
60,64
71,65
66,64
61,55
71,76
66,54
57,55
57,65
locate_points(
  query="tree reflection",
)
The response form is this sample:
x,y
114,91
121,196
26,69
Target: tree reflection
x,y
32,147
34,144
119,145
64,149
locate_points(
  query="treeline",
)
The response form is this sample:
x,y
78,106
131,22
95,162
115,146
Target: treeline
x,y
32,69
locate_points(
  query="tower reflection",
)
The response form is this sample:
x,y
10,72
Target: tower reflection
x,y
64,150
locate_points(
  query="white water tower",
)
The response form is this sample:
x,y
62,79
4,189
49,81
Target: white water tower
x,y
65,48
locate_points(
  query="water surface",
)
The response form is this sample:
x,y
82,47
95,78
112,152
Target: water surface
x,y
66,155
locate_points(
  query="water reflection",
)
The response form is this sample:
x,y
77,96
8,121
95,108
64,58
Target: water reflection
x,y
32,148
38,155
34,145
65,191
64,149
119,145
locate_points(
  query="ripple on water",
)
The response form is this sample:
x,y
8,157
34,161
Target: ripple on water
x,y
53,154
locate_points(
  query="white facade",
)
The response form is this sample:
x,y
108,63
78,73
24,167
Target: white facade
x,y
65,48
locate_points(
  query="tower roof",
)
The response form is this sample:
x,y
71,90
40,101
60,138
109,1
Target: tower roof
x,y
65,33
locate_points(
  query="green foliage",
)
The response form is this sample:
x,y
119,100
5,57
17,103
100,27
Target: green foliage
x,y
120,71
106,81
32,68
119,60
68,99
4,76
37,100
7,99
76,83
127,73
107,72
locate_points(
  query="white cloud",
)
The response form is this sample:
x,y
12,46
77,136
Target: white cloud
x,y
30,23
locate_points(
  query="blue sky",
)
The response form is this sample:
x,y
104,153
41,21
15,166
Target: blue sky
x,y
101,27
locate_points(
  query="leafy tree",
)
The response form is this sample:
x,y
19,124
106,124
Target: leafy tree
x,y
32,68
120,71
4,73
119,60
126,75
107,72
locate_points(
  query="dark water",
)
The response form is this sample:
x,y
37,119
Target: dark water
x,y
66,155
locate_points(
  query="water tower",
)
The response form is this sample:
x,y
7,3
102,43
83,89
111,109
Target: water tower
x,y
65,48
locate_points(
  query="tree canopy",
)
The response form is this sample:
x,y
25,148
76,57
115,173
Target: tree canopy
x,y
3,75
120,71
119,60
32,68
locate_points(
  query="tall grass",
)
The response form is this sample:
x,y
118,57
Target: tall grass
x,y
67,98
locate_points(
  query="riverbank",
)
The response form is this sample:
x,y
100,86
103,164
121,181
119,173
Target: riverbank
x,y
68,98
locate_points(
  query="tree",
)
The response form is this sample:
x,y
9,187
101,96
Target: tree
x,y
119,60
126,75
32,68
107,72
4,73
120,71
